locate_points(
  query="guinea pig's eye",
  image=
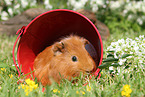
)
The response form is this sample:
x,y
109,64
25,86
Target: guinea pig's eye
x,y
74,59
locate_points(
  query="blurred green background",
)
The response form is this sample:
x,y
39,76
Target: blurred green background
x,y
125,15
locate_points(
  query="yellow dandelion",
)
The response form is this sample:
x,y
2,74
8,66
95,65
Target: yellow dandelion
x,y
26,87
77,92
3,69
23,86
55,90
19,87
58,91
32,83
29,86
28,81
35,86
126,91
27,93
83,92
123,93
10,75
88,88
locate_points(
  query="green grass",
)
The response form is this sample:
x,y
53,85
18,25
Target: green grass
x,y
103,87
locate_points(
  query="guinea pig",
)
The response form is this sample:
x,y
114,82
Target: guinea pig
x,y
64,59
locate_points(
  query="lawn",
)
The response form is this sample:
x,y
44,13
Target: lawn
x,y
107,85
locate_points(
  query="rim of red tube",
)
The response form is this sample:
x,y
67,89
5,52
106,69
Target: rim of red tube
x,y
24,30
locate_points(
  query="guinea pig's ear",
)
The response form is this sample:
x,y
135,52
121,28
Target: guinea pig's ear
x,y
86,41
58,48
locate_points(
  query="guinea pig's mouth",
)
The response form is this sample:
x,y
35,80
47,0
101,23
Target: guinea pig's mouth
x,y
88,71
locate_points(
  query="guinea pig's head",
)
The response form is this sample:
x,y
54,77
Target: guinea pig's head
x,y
72,57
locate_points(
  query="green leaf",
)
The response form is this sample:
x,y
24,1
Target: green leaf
x,y
127,66
14,68
110,51
3,65
125,55
110,59
102,66
115,64
110,55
